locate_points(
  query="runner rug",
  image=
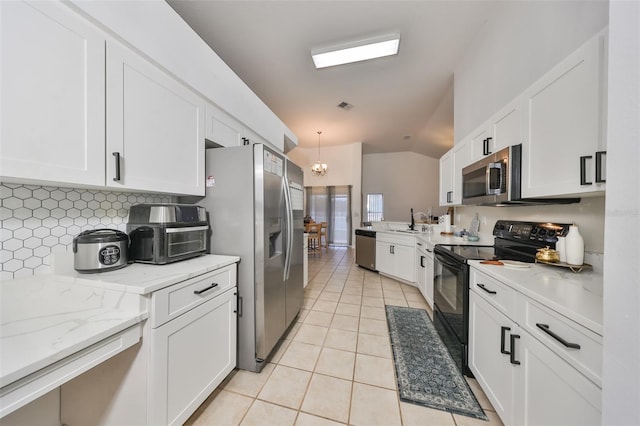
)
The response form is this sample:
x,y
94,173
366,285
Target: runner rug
x,y
426,373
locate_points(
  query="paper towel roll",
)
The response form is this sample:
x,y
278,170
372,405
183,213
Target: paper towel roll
x,y
445,220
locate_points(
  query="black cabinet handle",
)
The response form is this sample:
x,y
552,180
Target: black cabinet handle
x,y
583,169
239,306
484,147
512,343
422,261
245,141
117,156
502,340
392,249
235,311
214,285
545,328
488,141
486,289
599,155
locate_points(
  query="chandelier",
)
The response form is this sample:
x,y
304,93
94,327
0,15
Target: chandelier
x,y
319,169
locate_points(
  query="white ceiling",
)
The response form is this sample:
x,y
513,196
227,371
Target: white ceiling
x,y
268,43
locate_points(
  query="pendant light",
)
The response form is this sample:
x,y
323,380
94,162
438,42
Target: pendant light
x,y
319,169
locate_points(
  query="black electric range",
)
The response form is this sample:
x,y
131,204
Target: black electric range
x,y
514,240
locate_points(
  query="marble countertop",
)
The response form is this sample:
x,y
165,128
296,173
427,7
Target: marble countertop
x,y
142,278
575,296
45,318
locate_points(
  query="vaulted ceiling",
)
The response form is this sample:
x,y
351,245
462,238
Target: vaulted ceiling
x,y
400,103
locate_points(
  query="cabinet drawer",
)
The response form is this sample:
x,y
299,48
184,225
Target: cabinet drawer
x,y
501,296
179,298
543,323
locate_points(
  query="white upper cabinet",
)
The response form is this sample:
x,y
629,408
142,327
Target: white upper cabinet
x,y
52,95
502,130
446,178
507,126
155,128
451,165
224,130
563,150
221,128
481,141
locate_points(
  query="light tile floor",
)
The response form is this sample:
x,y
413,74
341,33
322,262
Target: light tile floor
x,y
335,365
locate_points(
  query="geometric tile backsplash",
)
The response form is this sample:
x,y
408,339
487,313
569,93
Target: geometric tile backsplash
x,y
38,220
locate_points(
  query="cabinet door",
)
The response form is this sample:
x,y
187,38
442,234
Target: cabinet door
x,y
221,128
421,271
428,284
446,179
480,141
551,391
565,125
507,126
52,103
384,258
461,159
404,261
156,126
190,357
489,332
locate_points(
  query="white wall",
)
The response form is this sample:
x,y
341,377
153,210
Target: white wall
x,y
621,369
345,168
405,179
514,48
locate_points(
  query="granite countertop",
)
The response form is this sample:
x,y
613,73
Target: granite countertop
x,y
45,318
575,296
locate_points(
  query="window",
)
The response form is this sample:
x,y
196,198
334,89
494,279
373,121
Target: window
x,y
374,207
331,204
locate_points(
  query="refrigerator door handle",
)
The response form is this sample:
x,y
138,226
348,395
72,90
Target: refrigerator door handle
x,y
289,227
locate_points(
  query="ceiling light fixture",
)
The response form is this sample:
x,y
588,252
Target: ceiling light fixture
x,y
319,169
361,50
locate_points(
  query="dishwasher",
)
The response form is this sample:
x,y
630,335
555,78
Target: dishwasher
x,y
366,248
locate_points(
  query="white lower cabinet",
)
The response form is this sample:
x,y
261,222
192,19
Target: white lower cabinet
x,y
424,272
395,256
548,390
531,378
488,355
188,347
191,355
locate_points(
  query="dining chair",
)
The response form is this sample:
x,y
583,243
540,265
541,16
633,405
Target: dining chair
x,y
323,233
313,229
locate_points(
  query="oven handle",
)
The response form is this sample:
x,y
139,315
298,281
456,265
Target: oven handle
x,y
186,229
450,263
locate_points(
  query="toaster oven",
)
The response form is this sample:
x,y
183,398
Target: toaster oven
x,y
165,233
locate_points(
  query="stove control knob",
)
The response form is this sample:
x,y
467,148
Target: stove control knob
x,y
534,230
551,233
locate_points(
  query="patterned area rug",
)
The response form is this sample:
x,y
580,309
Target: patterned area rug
x,y
426,372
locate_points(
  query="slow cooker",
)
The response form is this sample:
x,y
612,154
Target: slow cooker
x,y
100,250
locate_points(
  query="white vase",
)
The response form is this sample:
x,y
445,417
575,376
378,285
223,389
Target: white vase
x,y
574,246
561,248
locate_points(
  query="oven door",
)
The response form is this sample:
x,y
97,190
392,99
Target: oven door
x,y
451,306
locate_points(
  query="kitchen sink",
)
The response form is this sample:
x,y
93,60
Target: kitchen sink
x,y
405,231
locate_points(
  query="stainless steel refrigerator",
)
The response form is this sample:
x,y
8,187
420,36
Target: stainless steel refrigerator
x,y
254,197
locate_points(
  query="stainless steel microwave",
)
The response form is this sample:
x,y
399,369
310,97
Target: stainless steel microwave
x,y
496,180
